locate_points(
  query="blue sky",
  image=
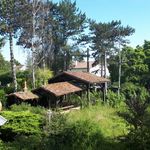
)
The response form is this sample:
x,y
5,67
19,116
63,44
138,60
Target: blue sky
x,y
135,13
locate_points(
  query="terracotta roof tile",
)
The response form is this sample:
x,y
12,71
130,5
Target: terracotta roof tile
x,y
84,77
87,77
24,95
60,88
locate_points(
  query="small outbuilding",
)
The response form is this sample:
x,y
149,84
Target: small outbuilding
x,y
19,97
53,94
83,80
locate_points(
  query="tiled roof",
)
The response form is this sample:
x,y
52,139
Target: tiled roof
x,y
60,88
87,77
24,95
79,76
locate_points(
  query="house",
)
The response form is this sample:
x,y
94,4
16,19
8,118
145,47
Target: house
x,y
82,67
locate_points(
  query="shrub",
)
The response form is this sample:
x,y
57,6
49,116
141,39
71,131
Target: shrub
x,y
32,142
3,97
113,99
74,99
137,115
5,78
57,123
79,100
2,145
83,134
139,138
96,97
42,76
137,102
131,90
27,107
20,123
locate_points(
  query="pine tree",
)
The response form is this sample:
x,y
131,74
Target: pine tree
x,y
10,11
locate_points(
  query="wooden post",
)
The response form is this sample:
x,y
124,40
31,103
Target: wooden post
x,y
104,94
88,94
48,102
88,65
56,102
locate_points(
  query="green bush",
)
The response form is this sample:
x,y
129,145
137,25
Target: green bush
x,y
137,115
56,124
74,99
79,100
20,123
3,97
5,78
113,99
96,97
81,135
64,135
32,142
23,76
3,145
131,90
139,138
27,107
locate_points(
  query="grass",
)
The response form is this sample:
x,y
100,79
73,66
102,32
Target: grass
x,y
111,125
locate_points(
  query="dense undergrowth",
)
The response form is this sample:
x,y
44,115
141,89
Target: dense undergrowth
x,y
121,123
106,117
96,127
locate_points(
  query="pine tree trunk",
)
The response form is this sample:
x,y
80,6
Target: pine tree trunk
x,y
105,67
13,69
101,65
119,76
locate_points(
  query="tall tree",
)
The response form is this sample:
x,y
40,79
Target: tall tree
x,y
70,23
56,24
10,11
134,66
104,38
29,37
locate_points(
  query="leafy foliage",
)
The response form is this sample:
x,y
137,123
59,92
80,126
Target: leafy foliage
x,y
26,142
24,123
5,78
42,76
113,99
137,115
3,97
96,97
27,107
4,65
135,65
76,136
